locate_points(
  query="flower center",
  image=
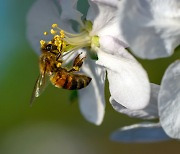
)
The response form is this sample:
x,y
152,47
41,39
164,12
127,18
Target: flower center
x,y
66,41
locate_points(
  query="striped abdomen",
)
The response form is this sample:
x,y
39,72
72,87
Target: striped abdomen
x,y
66,80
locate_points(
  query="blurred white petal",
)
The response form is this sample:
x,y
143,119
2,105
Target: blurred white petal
x,y
69,11
169,100
149,112
112,3
91,98
140,133
128,81
112,44
151,28
103,16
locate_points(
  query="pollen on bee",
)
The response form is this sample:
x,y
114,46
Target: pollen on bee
x,y
76,68
45,33
53,32
58,64
50,42
54,25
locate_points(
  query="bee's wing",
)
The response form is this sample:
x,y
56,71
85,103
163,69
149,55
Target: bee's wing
x,y
39,87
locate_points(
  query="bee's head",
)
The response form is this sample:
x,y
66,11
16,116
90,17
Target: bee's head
x,y
49,48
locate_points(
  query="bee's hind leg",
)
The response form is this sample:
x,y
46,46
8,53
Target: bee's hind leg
x,y
78,61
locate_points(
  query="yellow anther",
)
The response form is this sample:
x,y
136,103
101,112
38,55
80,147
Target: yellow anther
x,y
45,33
57,37
62,34
42,42
54,25
53,32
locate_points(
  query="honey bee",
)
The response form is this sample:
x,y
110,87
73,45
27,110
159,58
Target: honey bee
x,y
50,64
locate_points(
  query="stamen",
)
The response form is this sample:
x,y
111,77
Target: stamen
x,y
70,54
78,41
53,32
67,42
54,25
62,34
65,32
79,34
45,33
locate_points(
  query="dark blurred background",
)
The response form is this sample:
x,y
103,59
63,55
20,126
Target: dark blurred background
x,y
53,125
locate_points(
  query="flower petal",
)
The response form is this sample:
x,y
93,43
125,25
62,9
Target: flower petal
x,y
140,133
128,81
103,16
91,98
69,11
112,3
149,112
151,28
40,20
169,100
92,103
112,44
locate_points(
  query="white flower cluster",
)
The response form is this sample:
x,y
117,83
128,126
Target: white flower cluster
x,y
150,28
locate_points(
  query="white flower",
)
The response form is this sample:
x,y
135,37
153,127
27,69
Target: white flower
x,y
164,104
169,100
140,133
128,82
150,27
149,112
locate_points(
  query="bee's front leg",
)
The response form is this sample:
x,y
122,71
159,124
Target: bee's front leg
x,y
78,61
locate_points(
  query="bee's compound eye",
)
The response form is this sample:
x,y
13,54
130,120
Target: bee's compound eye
x,y
49,47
